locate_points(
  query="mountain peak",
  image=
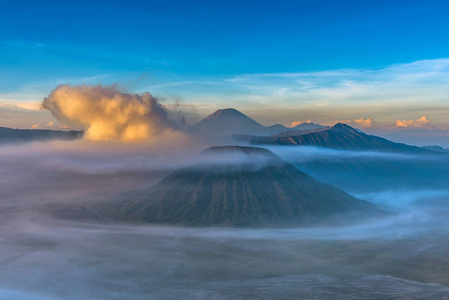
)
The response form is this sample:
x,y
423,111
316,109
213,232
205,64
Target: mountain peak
x,y
340,136
254,194
307,126
227,110
342,126
226,121
224,112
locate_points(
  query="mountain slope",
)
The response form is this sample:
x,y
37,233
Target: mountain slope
x,y
270,130
436,148
307,126
375,173
229,121
277,129
10,135
226,122
239,186
340,137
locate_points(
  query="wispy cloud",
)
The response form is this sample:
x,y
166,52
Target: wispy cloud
x,y
366,98
399,82
395,92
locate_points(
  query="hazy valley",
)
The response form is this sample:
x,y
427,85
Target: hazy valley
x,y
58,233
224,150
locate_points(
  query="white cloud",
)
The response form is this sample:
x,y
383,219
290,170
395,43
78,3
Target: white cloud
x,y
399,82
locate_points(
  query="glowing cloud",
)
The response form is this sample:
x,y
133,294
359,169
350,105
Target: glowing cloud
x,y
108,114
365,123
362,122
422,122
296,123
332,123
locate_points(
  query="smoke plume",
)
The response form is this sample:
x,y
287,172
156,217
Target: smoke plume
x,y
108,114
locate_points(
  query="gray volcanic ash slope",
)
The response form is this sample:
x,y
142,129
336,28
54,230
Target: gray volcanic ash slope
x,y
239,186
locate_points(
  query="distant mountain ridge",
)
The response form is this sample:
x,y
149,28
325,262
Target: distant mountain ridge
x,y
229,194
232,123
229,121
273,129
10,135
436,148
339,137
306,126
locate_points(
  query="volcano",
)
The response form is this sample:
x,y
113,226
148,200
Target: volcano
x,y
338,137
239,186
227,122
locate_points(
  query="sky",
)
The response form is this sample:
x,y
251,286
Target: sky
x,y
382,66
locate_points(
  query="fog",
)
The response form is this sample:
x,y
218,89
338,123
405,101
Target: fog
x,y
54,244
368,171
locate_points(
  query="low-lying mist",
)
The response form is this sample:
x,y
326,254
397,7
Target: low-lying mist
x,y
54,245
370,171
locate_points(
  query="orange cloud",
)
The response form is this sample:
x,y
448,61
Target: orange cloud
x,y
362,122
422,122
108,114
35,126
29,105
296,123
365,123
332,123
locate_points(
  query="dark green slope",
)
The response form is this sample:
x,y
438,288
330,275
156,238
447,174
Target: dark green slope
x,y
262,190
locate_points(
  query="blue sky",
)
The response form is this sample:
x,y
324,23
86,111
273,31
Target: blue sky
x,y
286,57
218,37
